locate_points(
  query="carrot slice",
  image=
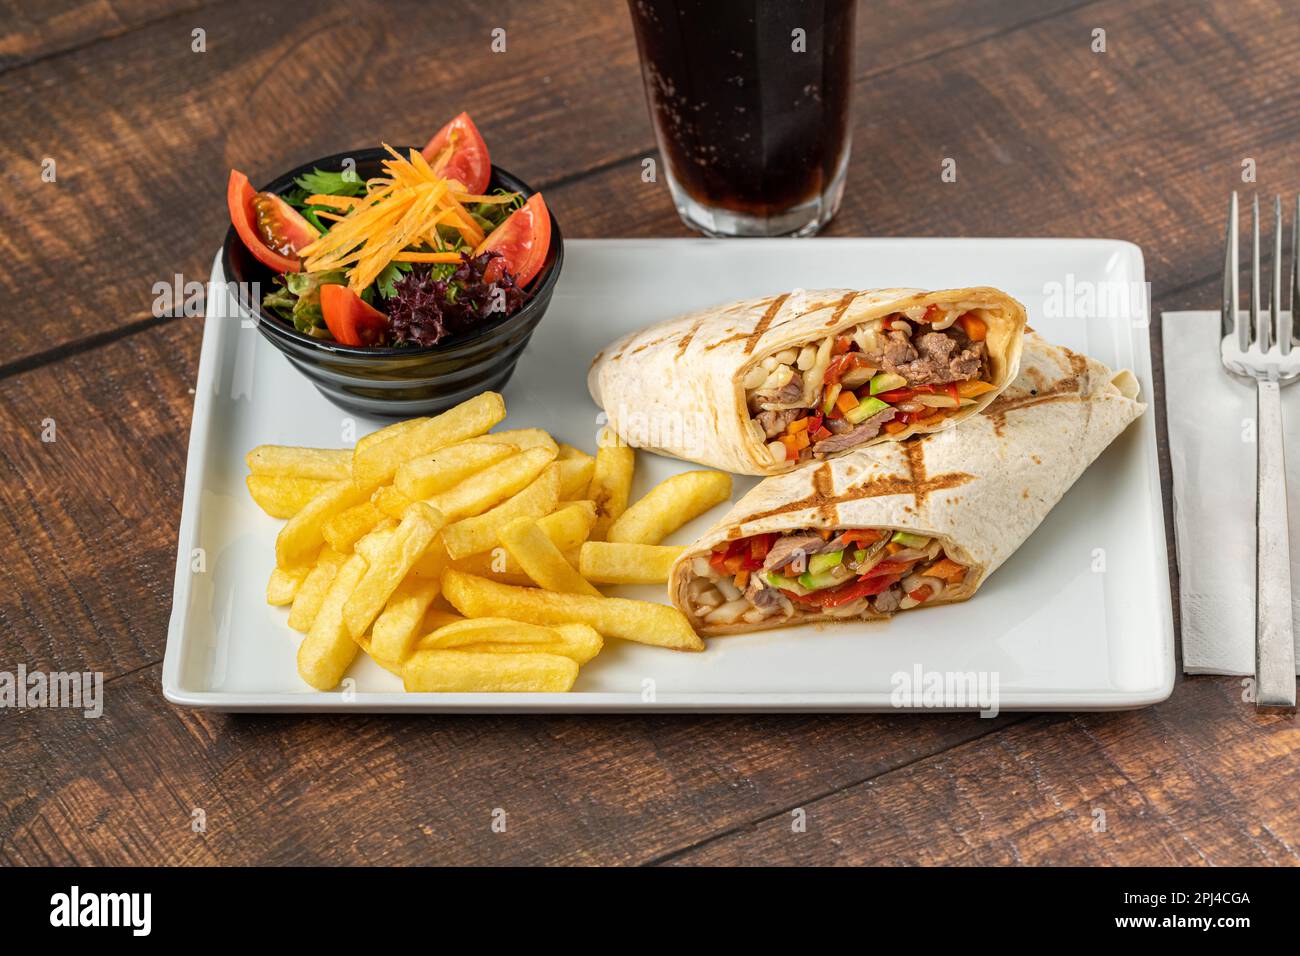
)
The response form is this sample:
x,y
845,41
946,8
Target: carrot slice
x,y
946,570
974,326
973,388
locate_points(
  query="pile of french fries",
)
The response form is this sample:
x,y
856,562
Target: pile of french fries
x,y
466,560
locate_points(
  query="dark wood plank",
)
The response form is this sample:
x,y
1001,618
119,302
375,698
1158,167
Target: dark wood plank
x,y
121,789
50,28
91,516
143,155
1198,780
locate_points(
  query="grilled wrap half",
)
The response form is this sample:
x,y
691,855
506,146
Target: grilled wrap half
x,y
903,525
760,386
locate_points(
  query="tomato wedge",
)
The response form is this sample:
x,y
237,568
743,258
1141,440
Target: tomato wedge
x,y
349,319
522,241
239,198
469,163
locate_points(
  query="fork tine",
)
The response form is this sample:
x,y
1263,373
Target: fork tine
x,y
1231,272
1281,335
1259,331
1295,276
1275,293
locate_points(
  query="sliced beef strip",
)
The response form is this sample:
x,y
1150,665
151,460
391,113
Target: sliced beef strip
x,y
896,349
785,549
887,600
775,422
866,431
935,362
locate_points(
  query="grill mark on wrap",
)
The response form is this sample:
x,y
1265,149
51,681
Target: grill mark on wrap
x,y
1072,388
843,307
765,322
686,339
917,483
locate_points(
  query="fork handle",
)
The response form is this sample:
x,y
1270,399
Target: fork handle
x,y
1275,674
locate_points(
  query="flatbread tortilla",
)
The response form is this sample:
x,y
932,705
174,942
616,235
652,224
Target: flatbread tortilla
x,y
676,388
981,488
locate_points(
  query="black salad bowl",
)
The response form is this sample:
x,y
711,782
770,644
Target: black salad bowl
x,y
397,382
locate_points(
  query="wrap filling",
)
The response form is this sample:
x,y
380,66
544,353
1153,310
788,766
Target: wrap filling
x,y
919,365
854,572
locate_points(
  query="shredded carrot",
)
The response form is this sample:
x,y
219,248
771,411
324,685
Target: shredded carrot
x,y
337,202
742,578
472,198
895,427
845,400
799,425
801,440
946,570
427,257
402,208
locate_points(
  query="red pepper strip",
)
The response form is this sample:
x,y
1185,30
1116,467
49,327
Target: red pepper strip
x,y
897,395
888,568
836,369
854,590
759,545
814,423
842,345
920,594
862,536
821,434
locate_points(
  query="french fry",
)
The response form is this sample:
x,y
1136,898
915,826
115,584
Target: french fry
x,y
363,642
575,476
446,467
387,432
369,545
541,559
489,630
410,539
328,649
435,618
669,505
391,502
284,583
302,534
566,451
603,562
397,627
639,621
577,641
567,528
282,496
521,438
611,481
481,532
307,602
288,461
347,527
493,485
377,462
465,672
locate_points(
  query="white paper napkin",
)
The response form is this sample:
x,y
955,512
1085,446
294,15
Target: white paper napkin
x,y
1211,418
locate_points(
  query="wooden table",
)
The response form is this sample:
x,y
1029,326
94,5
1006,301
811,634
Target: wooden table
x,y
1141,142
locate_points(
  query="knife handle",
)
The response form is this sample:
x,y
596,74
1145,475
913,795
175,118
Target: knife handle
x,y
1275,675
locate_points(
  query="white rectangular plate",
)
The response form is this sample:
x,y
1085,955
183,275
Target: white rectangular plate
x,y
1078,619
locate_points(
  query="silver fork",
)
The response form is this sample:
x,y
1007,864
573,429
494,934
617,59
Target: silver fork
x,y
1259,348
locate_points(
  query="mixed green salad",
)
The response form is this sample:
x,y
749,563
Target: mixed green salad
x,y
407,258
